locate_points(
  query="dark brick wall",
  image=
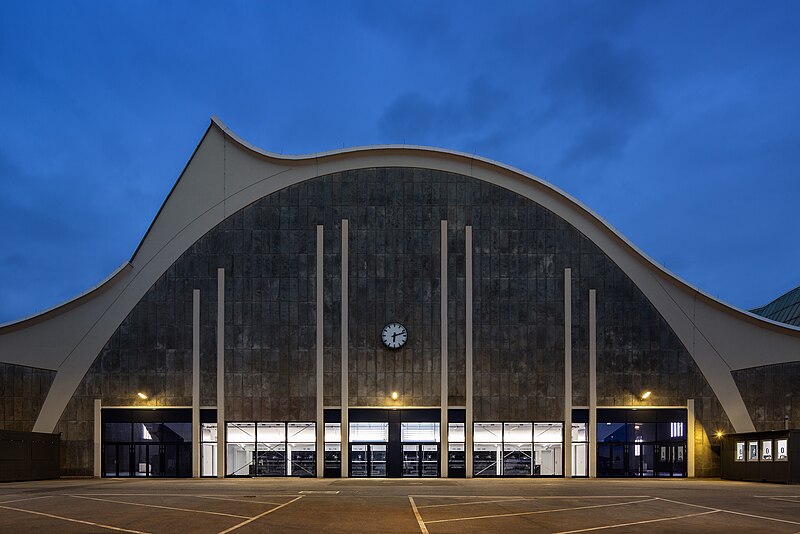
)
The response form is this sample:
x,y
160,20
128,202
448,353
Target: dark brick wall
x,y
22,393
520,250
770,393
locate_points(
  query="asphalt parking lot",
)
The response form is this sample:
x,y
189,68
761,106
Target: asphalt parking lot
x,y
398,505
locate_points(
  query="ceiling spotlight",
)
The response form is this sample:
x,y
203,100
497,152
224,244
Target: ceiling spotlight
x,y
646,394
394,395
141,396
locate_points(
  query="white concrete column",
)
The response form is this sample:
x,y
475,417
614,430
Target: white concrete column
x,y
320,367
468,426
592,383
568,372
345,373
443,343
221,449
98,438
196,383
690,421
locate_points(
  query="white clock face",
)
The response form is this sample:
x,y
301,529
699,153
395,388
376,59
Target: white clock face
x,y
394,335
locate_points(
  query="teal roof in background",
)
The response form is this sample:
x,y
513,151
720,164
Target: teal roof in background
x,y
784,309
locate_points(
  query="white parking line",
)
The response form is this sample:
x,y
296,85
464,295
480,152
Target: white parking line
x,y
27,499
786,499
472,518
109,527
582,497
420,522
181,495
246,501
766,518
619,525
159,506
259,516
508,499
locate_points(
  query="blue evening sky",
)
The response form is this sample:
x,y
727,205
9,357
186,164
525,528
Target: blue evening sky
x,y
678,122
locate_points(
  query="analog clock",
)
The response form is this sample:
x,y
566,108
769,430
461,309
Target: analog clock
x,y
394,335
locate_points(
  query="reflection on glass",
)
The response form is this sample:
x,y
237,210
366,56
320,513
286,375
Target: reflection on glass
x,y
117,432
147,432
181,432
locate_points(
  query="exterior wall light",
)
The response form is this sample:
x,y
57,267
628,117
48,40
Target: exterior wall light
x,y
646,395
719,434
141,396
394,395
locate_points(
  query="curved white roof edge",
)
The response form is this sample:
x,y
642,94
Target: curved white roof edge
x,y
225,174
422,148
344,151
70,303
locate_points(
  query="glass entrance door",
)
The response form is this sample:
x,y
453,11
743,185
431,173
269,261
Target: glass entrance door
x,y
420,459
411,460
671,460
367,460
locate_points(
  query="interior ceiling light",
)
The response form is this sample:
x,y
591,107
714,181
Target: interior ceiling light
x,y
394,395
141,396
646,394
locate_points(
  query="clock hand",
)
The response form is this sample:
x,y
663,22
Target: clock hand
x,y
394,336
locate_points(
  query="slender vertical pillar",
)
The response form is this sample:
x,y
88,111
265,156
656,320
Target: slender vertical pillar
x,y
98,438
443,455
345,364
468,427
568,372
320,368
196,383
221,449
592,383
690,438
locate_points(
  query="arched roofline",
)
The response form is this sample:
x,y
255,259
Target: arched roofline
x,y
686,286
63,307
225,174
306,158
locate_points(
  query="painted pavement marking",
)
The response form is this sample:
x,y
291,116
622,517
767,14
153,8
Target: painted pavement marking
x,y
536,512
764,517
620,525
420,522
160,506
99,525
259,516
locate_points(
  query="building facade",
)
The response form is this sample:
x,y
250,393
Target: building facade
x,y
390,311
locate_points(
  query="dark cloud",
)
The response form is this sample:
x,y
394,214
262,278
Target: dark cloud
x,y
607,91
474,113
